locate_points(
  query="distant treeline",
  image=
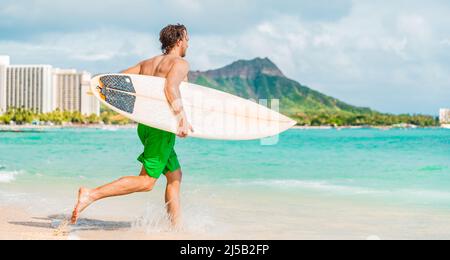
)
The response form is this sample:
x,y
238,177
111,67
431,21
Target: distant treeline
x,y
371,119
22,116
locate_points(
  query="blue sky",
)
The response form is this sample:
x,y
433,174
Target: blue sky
x,y
393,56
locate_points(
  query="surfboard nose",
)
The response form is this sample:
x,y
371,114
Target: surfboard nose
x,y
289,122
293,123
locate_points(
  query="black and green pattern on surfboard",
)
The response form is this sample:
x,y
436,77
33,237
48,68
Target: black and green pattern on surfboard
x,y
116,89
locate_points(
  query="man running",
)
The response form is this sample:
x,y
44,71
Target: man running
x,y
159,156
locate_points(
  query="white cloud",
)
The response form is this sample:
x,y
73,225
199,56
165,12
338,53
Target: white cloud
x,y
97,50
414,25
392,56
27,18
391,59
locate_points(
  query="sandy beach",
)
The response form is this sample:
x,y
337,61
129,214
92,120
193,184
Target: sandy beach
x,y
18,224
311,220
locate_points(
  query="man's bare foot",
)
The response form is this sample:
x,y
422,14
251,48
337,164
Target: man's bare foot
x,y
175,223
84,200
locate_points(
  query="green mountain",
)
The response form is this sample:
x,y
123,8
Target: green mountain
x,y
262,79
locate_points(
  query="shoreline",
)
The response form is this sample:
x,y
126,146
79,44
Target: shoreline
x,y
19,128
361,127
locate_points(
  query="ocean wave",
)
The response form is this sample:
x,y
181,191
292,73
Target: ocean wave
x,y
325,186
315,185
8,177
430,194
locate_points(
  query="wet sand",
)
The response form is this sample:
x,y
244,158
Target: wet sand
x,y
18,224
312,219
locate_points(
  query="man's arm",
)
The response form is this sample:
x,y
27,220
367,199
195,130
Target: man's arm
x,y
177,74
133,70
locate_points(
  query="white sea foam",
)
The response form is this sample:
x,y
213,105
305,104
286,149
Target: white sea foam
x,y
195,220
315,185
8,177
325,186
430,194
110,128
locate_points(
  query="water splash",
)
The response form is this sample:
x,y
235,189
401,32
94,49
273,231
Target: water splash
x,y
8,176
195,220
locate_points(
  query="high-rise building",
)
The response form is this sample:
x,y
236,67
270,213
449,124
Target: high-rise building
x,y
444,116
43,89
89,103
4,60
29,86
4,63
70,89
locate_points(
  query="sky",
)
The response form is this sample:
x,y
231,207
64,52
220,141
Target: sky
x,y
390,55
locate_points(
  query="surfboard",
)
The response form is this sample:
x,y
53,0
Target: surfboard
x,y
212,113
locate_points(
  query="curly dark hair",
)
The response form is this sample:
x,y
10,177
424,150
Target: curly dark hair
x,y
170,35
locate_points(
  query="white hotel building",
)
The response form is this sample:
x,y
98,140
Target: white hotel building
x,y
4,62
70,88
444,116
44,89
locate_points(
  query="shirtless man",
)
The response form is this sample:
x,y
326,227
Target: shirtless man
x,y
159,156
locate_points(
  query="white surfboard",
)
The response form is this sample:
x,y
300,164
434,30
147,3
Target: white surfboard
x,y
213,114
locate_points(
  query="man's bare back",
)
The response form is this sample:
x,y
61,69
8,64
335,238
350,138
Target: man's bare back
x,y
158,66
175,69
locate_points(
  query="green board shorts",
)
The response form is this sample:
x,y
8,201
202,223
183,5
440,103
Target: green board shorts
x,y
159,156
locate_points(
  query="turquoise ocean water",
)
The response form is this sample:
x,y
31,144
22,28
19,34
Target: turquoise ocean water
x,y
406,168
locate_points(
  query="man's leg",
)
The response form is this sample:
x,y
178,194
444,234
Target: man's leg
x,y
173,196
123,186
